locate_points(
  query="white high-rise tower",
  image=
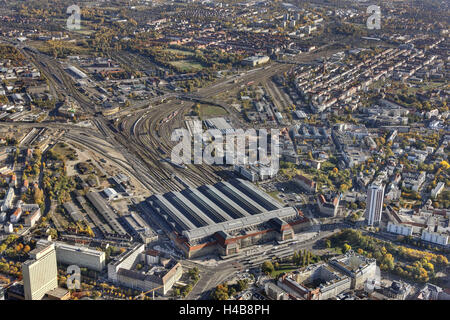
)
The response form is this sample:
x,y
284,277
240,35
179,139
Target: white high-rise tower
x,y
374,204
40,273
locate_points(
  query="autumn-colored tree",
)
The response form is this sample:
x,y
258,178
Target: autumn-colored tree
x,y
38,196
346,247
429,267
220,292
442,260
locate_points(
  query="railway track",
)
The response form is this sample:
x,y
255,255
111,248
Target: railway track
x,y
152,134
133,169
142,142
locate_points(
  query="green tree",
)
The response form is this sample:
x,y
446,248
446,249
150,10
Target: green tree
x,y
186,290
242,284
267,267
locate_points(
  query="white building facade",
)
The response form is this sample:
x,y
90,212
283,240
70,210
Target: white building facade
x,y
374,204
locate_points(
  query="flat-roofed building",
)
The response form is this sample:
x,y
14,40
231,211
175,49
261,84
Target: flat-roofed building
x,y
274,292
7,202
220,124
315,282
105,210
438,189
357,267
158,278
58,294
73,211
160,272
401,229
40,273
255,60
435,237
80,256
74,71
125,260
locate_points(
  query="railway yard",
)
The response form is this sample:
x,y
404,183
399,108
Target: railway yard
x,y
135,143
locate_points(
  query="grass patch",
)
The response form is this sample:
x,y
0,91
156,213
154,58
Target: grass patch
x,y
274,194
337,250
212,111
284,268
65,150
187,65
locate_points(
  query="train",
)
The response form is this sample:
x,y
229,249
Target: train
x,y
168,118
179,166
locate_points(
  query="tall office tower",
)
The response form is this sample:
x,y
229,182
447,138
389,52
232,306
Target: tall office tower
x,y
374,204
40,273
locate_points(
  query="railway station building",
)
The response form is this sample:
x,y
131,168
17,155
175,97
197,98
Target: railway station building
x,y
224,218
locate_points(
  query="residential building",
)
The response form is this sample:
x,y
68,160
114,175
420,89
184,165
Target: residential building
x,y
438,189
328,204
435,237
7,202
400,229
15,216
8,228
32,214
305,183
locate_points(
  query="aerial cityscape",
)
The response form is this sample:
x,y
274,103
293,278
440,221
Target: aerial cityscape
x,y
226,150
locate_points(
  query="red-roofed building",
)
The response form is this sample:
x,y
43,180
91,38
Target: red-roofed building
x,y
16,215
305,183
328,205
